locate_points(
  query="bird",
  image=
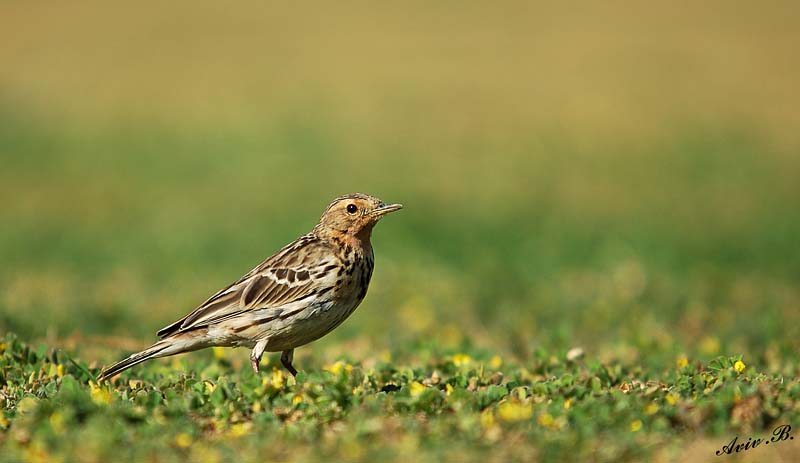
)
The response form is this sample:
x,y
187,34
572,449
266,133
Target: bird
x,y
296,296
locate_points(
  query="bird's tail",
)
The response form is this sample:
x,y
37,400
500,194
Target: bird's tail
x,y
163,348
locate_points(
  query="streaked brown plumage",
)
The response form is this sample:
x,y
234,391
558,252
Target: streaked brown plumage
x,y
298,295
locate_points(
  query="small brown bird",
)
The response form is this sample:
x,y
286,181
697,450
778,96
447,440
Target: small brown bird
x,y
298,295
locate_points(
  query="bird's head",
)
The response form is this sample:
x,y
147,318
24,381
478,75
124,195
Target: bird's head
x,y
353,216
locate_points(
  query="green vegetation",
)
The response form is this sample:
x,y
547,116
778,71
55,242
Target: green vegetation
x,y
597,260
424,404
460,348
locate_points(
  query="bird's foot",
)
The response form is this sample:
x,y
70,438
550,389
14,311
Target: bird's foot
x,y
291,369
256,353
286,359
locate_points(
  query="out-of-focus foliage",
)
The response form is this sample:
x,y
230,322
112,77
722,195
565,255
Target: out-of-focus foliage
x,y
447,406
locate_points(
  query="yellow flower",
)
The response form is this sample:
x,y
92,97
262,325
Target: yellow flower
x,y
681,361
448,389
60,370
461,360
297,399
219,352
416,388
99,395
277,378
183,440
651,409
487,419
496,362
567,404
514,411
636,425
672,399
338,367
739,366
240,429
256,407
210,387
546,420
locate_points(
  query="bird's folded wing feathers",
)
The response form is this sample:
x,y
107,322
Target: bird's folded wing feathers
x,y
267,286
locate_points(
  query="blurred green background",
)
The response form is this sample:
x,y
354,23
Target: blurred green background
x,y
620,176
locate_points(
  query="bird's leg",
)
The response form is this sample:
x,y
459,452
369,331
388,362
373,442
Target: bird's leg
x,y
257,352
286,359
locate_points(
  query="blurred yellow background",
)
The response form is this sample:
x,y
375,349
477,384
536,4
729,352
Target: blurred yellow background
x,y
592,69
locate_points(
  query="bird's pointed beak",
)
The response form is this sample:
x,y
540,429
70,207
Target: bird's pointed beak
x,y
384,209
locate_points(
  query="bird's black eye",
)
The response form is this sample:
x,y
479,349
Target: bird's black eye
x,y
352,209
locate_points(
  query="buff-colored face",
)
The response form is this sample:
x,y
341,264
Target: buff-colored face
x,y
355,213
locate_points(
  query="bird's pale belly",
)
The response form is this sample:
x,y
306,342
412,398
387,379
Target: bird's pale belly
x,y
307,323
305,329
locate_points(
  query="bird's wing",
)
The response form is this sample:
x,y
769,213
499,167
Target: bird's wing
x,y
300,270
